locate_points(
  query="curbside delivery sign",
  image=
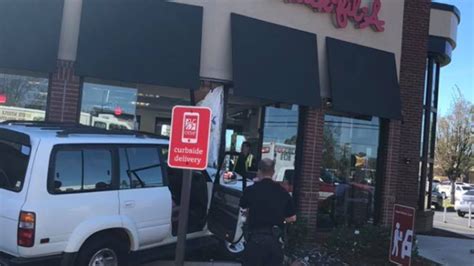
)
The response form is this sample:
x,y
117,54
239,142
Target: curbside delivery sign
x,y
189,139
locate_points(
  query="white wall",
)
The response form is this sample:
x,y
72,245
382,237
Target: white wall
x,y
216,59
444,24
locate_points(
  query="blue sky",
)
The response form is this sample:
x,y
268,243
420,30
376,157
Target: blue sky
x,y
460,71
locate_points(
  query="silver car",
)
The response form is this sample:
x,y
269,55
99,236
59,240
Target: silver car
x,y
462,205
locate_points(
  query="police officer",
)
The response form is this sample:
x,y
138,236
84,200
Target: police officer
x,y
268,207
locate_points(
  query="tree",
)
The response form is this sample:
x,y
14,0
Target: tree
x,y
455,142
291,141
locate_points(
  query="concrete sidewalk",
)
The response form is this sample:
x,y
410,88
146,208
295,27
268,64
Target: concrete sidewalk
x,y
446,250
171,263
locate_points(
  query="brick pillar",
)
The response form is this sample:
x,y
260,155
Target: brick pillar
x,y
64,95
402,153
390,157
310,169
416,21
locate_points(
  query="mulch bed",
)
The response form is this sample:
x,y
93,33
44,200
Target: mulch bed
x,y
321,256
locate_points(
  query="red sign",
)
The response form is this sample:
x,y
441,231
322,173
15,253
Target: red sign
x,y
402,234
189,138
118,111
3,98
346,10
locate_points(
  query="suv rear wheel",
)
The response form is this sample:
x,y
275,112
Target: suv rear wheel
x,y
461,214
103,251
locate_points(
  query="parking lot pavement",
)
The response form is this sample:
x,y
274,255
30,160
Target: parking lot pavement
x,y
199,252
171,263
446,250
454,223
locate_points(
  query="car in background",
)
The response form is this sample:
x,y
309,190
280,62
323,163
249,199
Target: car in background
x,y
460,188
462,205
436,197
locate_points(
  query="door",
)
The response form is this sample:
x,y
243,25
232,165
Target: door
x,y
224,213
198,201
81,188
145,199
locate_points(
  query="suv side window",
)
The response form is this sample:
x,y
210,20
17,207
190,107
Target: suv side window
x,y
97,169
140,167
81,170
68,171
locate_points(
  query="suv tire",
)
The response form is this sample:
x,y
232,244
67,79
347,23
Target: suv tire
x,y
103,248
461,214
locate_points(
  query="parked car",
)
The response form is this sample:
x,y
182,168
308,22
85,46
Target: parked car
x,y
82,195
460,189
436,197
462,205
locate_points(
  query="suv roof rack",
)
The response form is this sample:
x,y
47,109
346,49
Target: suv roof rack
x,y
64,129
41,123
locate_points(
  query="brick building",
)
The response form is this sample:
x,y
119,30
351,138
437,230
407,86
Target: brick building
x,y
344,99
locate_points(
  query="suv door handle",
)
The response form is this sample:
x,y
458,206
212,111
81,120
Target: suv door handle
x,y
129,204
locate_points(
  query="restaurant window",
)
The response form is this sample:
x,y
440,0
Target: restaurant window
x,y
271,131
23,97
348,173
145,108
108,107
243,128
428,132
279,142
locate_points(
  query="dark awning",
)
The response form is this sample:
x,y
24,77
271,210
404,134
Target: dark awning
x,y
363,80
140,41
29,34
274,62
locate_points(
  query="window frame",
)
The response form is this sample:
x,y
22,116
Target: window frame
x,y
80,147
30,156
163,164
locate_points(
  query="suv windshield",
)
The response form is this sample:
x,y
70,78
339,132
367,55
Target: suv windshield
x,y
13,165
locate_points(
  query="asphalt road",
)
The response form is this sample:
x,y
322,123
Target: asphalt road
x,y
454,223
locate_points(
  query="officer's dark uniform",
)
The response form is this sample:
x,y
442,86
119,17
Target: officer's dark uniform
x,y
269,204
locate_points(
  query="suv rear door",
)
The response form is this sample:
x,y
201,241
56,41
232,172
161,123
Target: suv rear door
x,y
145,199
81,192
15,150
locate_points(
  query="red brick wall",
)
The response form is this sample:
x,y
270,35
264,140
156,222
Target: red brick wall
x,y
401,179
64,95
308,183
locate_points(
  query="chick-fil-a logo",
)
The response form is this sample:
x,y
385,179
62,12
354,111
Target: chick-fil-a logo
x,y
346,10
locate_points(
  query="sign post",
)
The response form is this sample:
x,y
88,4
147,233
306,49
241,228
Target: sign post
x,y
402,235
189,146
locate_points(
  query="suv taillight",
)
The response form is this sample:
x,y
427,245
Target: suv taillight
x,y
26,229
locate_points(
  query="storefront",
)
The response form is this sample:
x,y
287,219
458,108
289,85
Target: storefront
x,y
332,91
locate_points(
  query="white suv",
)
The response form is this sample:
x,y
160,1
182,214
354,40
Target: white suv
x,y
86,196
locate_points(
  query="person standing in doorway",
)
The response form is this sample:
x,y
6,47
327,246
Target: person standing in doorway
x,y
246,162
268,207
